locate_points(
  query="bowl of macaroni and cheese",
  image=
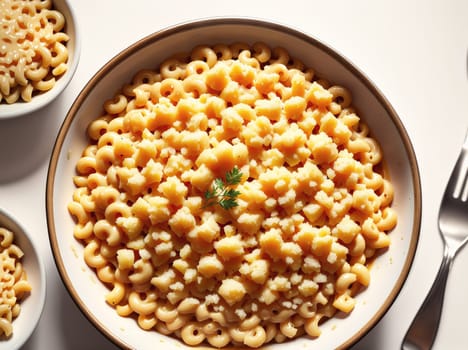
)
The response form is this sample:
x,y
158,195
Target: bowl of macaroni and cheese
x,y
232,183
39,53
23,279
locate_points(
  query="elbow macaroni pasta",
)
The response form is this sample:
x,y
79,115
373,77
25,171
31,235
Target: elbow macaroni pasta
x,y
33,51
14,285
313,210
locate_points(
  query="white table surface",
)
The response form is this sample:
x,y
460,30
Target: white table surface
x,y
414,51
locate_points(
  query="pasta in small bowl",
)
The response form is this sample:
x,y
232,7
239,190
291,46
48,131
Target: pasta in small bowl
x,y
39,53
22,296
252,189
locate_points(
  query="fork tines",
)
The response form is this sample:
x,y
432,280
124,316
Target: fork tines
x,y
461,172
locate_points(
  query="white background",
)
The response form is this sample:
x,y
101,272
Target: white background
x,y
416,52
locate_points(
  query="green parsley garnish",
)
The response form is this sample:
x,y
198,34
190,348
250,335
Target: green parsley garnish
x,y
221,191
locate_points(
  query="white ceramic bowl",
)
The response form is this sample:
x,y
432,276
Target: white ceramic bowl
x,y
389,270
20,108
32,306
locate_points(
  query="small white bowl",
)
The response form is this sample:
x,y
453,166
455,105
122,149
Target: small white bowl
x,y
389,270
20,108
33,304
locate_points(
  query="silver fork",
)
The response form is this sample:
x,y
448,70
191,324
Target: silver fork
x,y
453,226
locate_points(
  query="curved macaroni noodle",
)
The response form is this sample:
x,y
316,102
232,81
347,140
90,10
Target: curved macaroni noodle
x,y
313,209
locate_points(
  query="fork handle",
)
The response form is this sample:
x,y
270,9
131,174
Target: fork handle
x,y
423,330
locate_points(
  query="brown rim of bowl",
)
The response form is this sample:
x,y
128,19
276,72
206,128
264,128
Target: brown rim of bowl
x,y
186,26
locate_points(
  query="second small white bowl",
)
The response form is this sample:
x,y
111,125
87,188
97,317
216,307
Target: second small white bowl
x,y
33,305
20,108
